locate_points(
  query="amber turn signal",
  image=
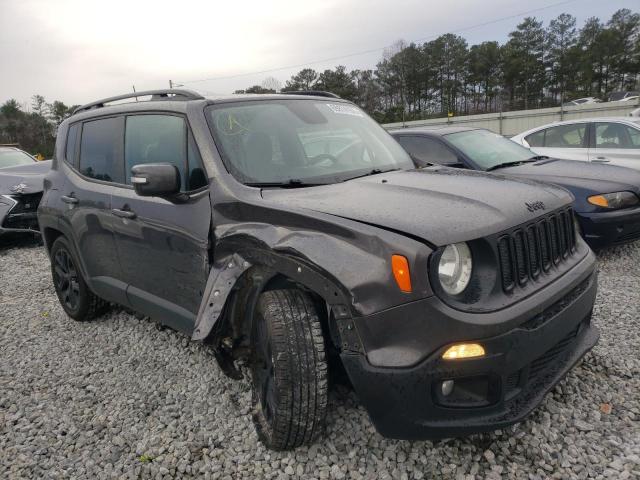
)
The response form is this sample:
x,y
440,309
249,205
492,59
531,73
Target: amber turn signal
x,y
400,267
598,200
464,350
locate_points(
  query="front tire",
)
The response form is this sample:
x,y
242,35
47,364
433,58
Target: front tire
x,y
289,370
76,299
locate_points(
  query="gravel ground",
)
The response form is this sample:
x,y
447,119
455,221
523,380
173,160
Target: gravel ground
x,y
122,398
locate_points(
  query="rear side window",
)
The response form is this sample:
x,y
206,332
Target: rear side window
x,y
565,136
100,150
72,137
426,150
163,139
536,139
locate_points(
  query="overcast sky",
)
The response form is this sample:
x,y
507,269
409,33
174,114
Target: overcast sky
x,y
80,50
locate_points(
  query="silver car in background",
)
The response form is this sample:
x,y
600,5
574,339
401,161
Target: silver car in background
x,y
614,140
21,185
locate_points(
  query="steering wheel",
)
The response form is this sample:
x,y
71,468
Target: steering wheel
x,y
320,158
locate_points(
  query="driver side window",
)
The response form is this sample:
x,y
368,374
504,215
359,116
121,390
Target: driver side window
x,y
153,138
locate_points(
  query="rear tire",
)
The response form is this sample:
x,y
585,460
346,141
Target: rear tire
x,y
76,299
289,370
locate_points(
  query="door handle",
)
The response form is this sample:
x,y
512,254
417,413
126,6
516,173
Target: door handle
x,y
123,213
601,159
69,199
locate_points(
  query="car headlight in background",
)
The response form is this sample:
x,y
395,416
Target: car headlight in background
x,y
614,200
454,268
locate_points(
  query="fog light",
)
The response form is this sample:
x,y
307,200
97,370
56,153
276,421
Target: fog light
x,y
464,350
447,387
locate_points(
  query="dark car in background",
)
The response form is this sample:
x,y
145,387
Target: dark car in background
x,y
21,184
292,233
607,198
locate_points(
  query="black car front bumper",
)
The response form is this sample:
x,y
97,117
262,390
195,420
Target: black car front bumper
x,y
528,350
610,228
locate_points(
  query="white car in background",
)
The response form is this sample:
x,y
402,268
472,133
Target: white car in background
x,y
614,140
582,101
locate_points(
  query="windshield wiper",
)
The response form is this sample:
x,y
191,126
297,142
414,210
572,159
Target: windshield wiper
x,y
539,157
290,183
374,171
513,164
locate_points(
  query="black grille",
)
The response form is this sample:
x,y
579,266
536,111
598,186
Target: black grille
x,y
539,365
526,252
26,203
22,215
511,384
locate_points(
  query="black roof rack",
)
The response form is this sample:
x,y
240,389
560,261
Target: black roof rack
x,y
164,94
312,93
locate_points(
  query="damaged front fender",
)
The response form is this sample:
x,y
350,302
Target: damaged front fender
x,y
238,255
346,263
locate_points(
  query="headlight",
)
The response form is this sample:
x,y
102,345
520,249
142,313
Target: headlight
x,y
614,200
454,268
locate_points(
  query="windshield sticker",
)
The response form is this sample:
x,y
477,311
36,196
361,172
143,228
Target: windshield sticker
x,y
344,109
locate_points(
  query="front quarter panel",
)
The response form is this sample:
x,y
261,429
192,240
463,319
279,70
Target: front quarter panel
x,y
347,263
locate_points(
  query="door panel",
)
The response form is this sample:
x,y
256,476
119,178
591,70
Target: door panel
x,y
163,250
615,144
564,153
88,215
627,158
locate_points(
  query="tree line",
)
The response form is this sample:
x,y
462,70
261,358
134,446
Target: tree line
x,y
34,130
537,67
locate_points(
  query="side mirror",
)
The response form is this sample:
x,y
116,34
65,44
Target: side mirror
x,y
459,164
155,179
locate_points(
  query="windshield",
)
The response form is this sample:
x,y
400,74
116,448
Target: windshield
x,y
488,149
13,158
308,141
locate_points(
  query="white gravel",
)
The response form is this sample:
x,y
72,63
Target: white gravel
x,y
122,398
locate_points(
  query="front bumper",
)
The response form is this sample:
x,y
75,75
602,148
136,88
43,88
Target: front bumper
x,y
522,363
610,228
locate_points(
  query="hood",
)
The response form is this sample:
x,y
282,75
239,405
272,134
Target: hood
x,y
437,204
29,177
579,176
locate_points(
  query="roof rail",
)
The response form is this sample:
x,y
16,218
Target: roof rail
x,y
312,93
162,94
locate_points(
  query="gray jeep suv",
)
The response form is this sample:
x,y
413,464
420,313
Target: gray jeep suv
x,y
297,238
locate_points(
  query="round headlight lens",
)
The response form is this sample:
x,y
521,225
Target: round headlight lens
x,y
454,268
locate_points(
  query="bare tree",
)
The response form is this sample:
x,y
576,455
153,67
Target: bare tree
x,y
271,83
